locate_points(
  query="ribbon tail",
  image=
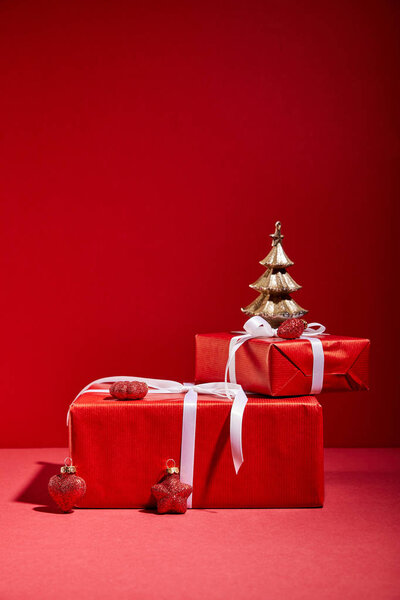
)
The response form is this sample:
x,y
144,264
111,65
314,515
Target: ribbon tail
x,y
318,365
230,368
188,439
230,365
236,425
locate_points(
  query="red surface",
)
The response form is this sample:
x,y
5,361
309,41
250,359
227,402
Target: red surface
x,y
348,549
147,149
121,448
284,368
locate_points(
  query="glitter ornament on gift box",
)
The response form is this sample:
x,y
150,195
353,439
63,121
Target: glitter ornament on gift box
x,y
171,494
291,329
67,488
129,390
274,303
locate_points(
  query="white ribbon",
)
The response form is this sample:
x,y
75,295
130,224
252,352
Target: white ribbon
x,y
257,327
221,390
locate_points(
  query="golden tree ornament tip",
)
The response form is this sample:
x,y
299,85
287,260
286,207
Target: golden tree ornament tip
x,y
277,235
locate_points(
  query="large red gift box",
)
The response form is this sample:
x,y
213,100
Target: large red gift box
x,y
278,367
120,448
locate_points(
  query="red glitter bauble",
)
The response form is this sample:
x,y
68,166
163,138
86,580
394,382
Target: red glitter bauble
x,y
291,329
66,489
171,494
129,390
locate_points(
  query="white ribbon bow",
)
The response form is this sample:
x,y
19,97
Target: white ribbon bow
x,y
257,327
223,391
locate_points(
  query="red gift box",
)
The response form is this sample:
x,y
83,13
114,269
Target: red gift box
x,y
278,367
120,448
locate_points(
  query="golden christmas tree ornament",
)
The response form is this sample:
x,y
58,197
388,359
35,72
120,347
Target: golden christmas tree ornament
x,y
274,303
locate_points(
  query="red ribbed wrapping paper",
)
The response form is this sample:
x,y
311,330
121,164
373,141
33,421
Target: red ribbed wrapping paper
x,y
284,368
120,449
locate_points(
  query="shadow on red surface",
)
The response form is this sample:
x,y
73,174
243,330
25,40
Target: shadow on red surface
x,y
36,492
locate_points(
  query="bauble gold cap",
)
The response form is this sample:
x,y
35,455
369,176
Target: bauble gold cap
x,y
68,466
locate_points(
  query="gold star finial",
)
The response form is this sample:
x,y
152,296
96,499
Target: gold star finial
x,y
277,237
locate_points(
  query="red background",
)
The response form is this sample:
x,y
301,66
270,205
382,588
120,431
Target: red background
x,y
147,150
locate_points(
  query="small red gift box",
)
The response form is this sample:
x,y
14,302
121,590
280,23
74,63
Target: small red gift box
x,y
278,367
120,448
